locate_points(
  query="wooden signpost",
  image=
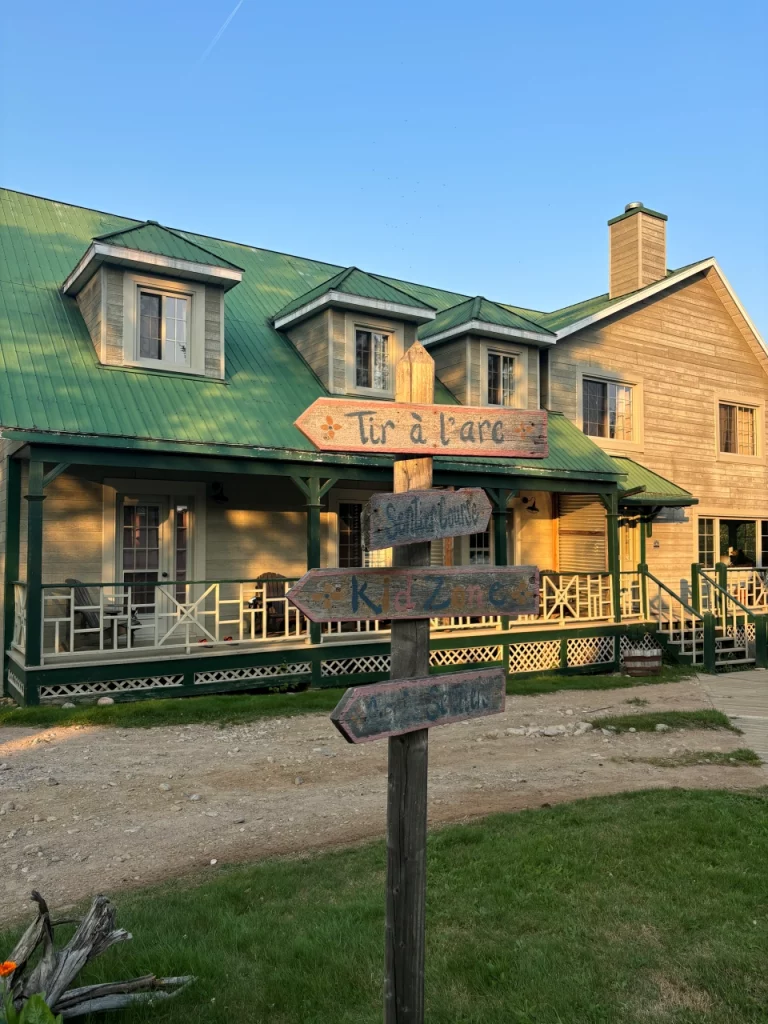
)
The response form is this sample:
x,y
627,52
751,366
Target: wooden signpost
x,y
408,428
354,595
381,710
410,594
393,519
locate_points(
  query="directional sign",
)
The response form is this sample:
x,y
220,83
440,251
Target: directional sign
x,y
350,425
354,595
393,519
376,711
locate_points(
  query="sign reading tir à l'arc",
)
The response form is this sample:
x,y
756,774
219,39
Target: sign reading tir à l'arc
x,y
349,425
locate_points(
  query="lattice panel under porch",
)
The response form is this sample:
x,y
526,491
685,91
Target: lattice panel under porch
x,y
236,675
355,666
591,650
647,643
51,691
466,656
536,656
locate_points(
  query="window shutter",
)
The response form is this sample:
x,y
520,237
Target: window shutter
x,y
581,534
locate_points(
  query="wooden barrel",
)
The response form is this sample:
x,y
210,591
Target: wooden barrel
x,y
642,662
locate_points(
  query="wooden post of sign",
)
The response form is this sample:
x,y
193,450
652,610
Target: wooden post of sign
x,y
407,788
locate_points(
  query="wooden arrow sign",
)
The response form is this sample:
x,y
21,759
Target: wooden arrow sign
x,y
393,519
355,595
351,425
380,710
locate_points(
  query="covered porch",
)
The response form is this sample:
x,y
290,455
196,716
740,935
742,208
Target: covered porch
x,y
103,598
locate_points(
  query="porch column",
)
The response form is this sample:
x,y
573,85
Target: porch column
x,y
35,497
611,502
12,546
313,490
499,499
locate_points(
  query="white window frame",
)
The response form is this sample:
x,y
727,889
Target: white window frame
x,y
395,346
116,490
134,285
609,443
520,357
744,403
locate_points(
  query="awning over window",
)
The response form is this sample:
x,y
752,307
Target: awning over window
x,y
656,491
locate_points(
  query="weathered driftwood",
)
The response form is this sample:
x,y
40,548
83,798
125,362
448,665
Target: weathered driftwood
x,y
57,968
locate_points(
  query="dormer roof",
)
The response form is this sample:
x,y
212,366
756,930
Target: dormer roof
x,y
481,316
354,289
150,247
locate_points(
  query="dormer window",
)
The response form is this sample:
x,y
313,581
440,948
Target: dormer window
x,y
372,360
501,379
164,327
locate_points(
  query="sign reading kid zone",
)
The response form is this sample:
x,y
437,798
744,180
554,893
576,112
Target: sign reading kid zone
x,y
354,595
349,425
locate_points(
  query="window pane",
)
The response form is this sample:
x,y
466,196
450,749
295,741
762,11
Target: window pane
x,y
594,412
746,429
350,535
149,326
494,379
175,312
381,361
620,412
507,380
480,547
728,431
363,359
707,542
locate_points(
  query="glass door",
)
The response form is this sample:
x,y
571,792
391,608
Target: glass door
x,y
144,556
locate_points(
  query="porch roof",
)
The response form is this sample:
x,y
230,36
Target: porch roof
x,y
657,490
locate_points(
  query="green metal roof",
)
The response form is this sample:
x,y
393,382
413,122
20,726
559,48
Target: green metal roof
x,y
53,386
482,309
353,282
657,489
153,237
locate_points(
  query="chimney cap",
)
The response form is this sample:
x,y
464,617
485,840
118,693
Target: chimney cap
x,y
632,208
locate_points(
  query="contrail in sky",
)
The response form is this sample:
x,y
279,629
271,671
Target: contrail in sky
x,y
221,31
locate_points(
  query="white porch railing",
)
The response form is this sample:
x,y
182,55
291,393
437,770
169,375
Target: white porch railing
x,y
133,619
749,587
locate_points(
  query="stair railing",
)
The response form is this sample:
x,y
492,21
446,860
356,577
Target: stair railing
x,y
733,620
685,626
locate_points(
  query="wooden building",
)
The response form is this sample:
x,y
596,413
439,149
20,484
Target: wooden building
x,y
157,499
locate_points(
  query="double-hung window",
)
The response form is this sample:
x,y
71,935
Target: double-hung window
x,y
164,328
737,429
501,379
608,410
372,360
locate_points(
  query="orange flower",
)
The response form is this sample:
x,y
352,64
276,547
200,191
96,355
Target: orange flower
x,y
330,428
7,967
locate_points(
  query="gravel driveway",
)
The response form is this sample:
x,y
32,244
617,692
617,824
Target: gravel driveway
x,y
86,810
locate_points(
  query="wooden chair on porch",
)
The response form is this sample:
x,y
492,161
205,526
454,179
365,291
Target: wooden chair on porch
x,y
273,587
88,618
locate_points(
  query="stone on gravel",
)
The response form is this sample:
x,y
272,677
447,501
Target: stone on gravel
x,y
663,727
514,732
165,787
582,728
194,796
553,730
52,781
103,701
9,805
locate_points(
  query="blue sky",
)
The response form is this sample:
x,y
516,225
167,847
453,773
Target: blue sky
x,y
480,147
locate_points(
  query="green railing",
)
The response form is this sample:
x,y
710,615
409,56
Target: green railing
x,y
741,633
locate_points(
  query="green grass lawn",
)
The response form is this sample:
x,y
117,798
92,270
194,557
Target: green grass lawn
x,y
225,709
644,908
728,758
646,721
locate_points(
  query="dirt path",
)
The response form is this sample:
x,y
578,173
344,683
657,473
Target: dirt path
x,y
87,810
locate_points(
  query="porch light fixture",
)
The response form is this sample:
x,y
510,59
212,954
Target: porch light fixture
x,y
217,493
533,506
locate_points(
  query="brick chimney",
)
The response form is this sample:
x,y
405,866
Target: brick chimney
x,y
637,249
